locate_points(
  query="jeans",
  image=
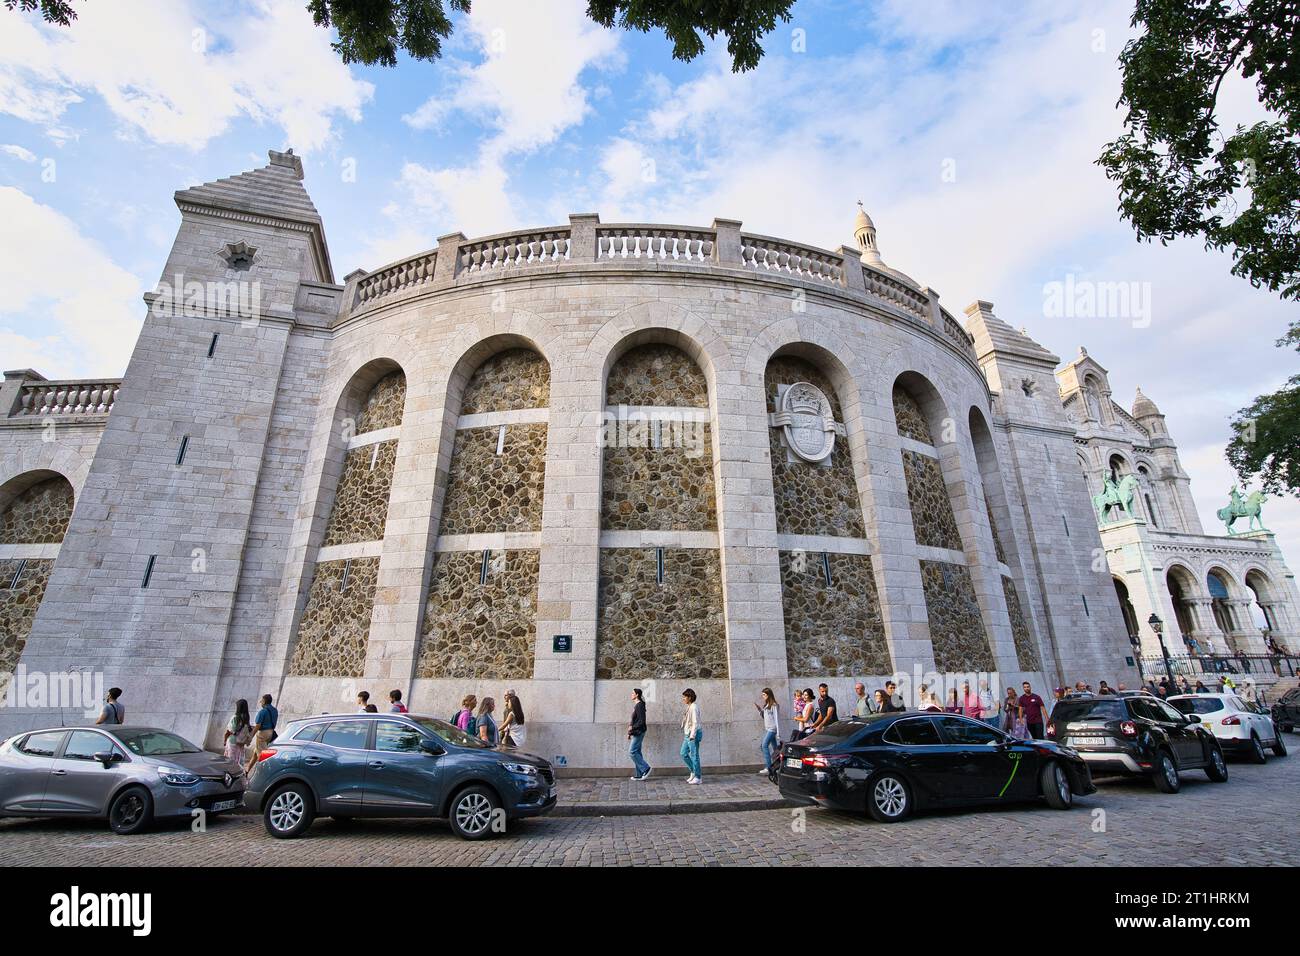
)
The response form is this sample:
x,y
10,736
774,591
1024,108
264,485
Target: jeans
x,y
634,751
691,753
769,741
1035,731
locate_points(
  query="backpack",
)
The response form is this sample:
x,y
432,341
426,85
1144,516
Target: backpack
x,y
471,727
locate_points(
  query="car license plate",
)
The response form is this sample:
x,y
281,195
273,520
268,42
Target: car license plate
x,y
793,763
224,805
551,793
1088,741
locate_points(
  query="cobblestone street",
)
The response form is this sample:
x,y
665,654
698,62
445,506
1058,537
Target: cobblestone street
x,y
1249,821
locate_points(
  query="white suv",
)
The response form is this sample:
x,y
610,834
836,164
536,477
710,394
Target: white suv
x,y
1239,726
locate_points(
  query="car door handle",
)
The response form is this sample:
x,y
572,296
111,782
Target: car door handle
x,y
311,761
376,765
59,773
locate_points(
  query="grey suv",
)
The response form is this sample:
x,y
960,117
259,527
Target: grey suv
x,y
394,765
129,775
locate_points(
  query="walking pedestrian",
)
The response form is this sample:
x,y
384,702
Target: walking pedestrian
x,y
826,714
953,706
806,715
464,718
636,728
881,703
513,730
692,734
970,703
771,715
239,732
862,707
363,698
485,726
1010,711
896,703
1033,709
1201,688
989,703
395,705
263,727
370,709
113,712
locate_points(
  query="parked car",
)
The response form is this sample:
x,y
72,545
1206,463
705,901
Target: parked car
x,y
892,764
1241,727
394,765
1286,712
130,776
1136,734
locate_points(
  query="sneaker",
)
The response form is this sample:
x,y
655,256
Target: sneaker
x,y
764,772
635,777
695,780
646,775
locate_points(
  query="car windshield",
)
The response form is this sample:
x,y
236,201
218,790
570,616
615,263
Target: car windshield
x,y
1197,705
1098,708
156,743
448,733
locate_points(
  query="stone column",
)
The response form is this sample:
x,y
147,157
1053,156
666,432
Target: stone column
x,y
582,237
726,246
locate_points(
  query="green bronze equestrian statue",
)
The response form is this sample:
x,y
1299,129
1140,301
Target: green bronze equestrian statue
x,y
1115,494
1239,507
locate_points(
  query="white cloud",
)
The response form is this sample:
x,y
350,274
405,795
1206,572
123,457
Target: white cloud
x,y
174,75
81,311
26,155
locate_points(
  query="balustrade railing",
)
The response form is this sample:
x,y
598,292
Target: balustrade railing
x,y
94,397
774,255
517,249
900,294
407,274
1220,665
665,243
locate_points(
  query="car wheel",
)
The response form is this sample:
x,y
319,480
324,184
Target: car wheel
x,y
1216,768
1056,786
473,812
1166,776
289,811
1279,748
1257,754
131,811
889,799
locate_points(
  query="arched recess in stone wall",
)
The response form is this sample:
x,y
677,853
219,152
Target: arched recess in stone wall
x,y
829,593
35,508
997,508
1150,495
480,612
335,624
1183,591
1223,589
660,612
1264,611
1126,609
927,433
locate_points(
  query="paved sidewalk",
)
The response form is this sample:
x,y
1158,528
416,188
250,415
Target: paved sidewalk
x,y
665,792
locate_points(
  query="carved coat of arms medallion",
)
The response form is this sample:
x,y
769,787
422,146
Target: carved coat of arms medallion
x,y
806,422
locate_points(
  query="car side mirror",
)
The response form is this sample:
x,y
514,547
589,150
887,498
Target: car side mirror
x,y
431,748
1193,718
107,758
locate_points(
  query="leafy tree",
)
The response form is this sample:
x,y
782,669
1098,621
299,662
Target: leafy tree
x,y
1266,435
372,31
53,11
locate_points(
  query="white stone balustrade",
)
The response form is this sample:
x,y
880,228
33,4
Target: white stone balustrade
x,y
774,255
514,249
636,241
886,287
415,271
94,397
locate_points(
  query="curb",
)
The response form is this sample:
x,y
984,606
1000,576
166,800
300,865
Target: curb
x,y
668,807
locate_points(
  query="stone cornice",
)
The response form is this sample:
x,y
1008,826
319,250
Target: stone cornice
x,y
313,230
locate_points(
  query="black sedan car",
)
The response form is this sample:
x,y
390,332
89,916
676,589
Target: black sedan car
x,y
891,764
394,765
1286,712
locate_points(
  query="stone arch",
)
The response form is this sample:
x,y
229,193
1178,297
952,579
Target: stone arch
x,y
480,610
1126,609
333,629
35,507
658,322
1149,493
1260,588
1181,583
48,458
1222,587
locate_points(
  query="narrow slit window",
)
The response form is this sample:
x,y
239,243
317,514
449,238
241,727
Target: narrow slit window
x,y
148,570
374,456
483,568
1085,605
347,573
1067,525
18,573
826,569
659,565
212,346
501,440
180,453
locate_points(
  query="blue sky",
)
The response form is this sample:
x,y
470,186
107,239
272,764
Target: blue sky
x,y
968,130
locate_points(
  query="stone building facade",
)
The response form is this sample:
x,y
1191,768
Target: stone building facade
x,y
571,461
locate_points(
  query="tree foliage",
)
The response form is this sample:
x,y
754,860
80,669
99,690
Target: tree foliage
x,y
59,12
372,31
1266,435
1178,172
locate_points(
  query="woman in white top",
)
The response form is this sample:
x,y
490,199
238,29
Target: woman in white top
x,y
771,728
806,716
692,734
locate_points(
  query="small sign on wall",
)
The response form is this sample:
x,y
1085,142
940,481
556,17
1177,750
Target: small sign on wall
x,y
560,760
1129,660
562,643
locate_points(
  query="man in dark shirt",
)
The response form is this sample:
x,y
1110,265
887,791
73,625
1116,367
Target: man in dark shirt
x,y
1032,706
635,733
825,708
263,732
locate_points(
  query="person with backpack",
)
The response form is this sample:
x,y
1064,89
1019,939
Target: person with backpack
x,y
464,719
395,705
239,733
113,712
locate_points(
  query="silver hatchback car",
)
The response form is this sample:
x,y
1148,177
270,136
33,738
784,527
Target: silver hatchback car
x,y
127,775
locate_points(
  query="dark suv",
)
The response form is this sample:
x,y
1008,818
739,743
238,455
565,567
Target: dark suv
x,y
1136,734
394,765
1286,712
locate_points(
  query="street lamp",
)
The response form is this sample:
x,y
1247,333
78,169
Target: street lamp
x,y
1158,626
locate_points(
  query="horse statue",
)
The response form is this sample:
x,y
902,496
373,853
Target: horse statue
x,y
1115,494
1239,507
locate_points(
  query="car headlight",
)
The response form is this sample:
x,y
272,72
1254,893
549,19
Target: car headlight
x,y
528,770
178,777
